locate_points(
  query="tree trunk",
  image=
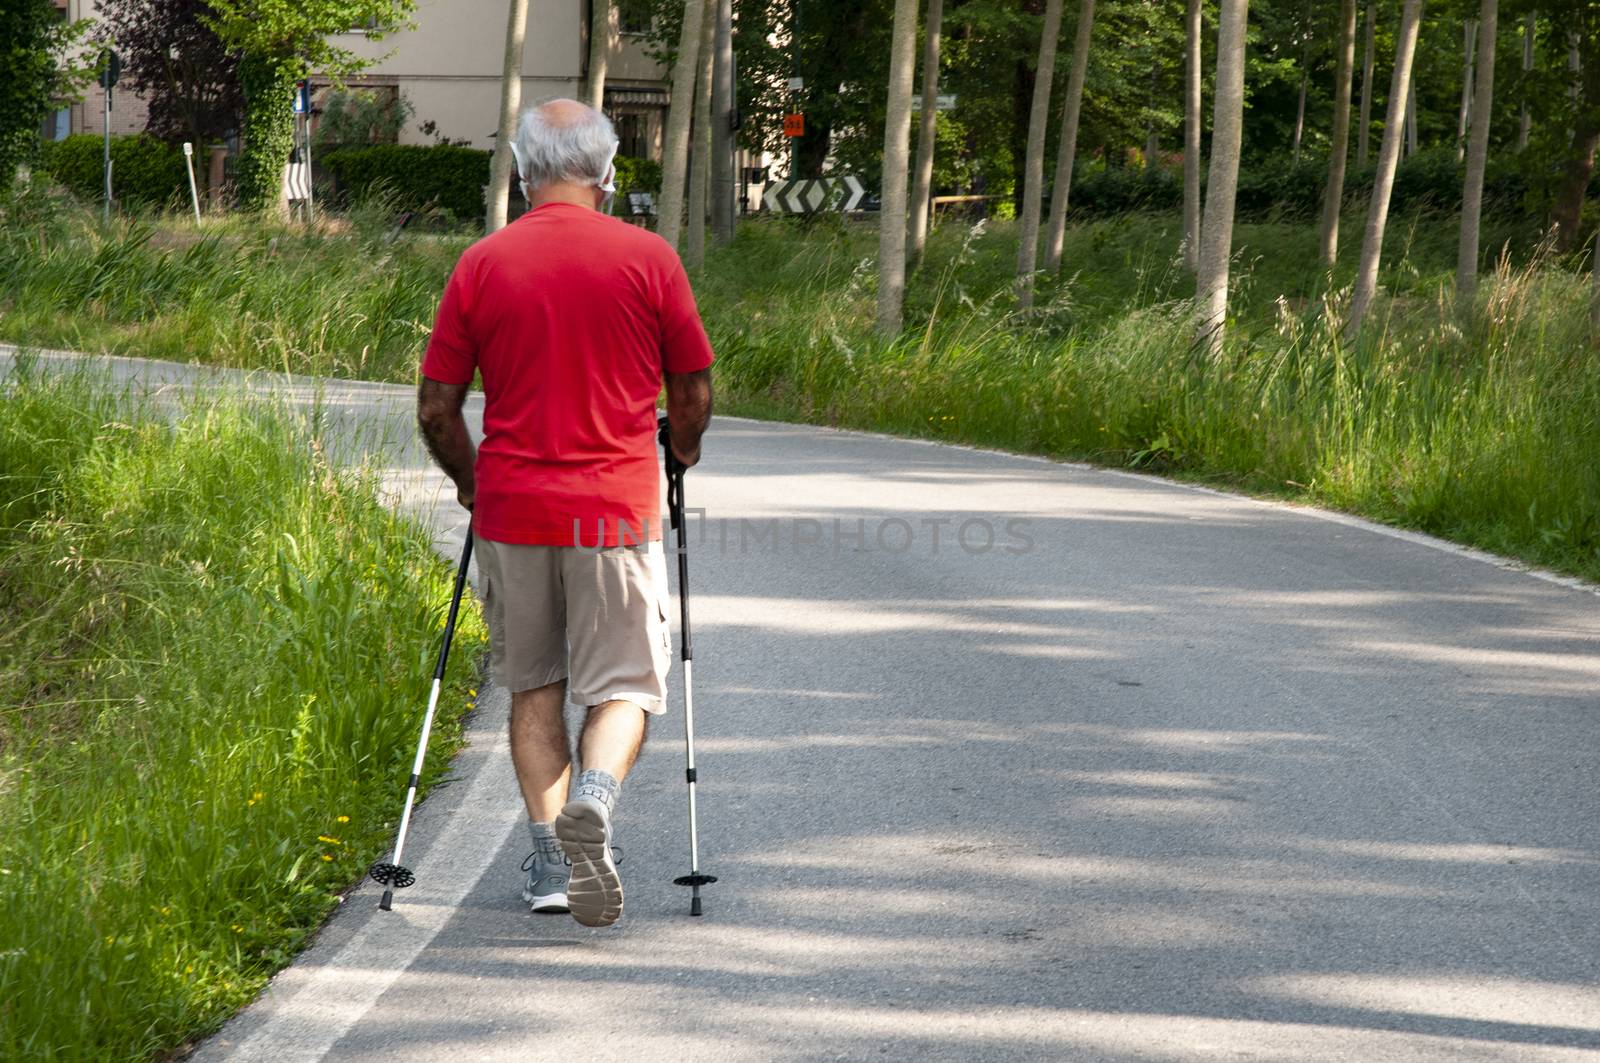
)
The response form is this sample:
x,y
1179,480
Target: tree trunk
x,y
1339,150
501,163
1364,129
1477,158
1300,110
1067,149
700,152
675,151
724,181
1469,39
1033,171
922,189
1579,164
594,86
1388,158
896,151
1575,174
1411,117
267,131
1227,127
1194,22
1525,124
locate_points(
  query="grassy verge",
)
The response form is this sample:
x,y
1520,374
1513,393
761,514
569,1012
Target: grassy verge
x,y
213,653
1480,431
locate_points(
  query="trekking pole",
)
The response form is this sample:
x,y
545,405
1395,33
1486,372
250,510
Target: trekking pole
x,y
392,874
675,470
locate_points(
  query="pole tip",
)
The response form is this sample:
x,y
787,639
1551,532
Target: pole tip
x,y
694,906
388,899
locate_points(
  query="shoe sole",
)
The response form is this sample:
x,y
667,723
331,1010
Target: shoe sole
x,y
594,889
550,902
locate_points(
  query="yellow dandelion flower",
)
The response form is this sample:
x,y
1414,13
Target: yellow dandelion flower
x,y
237,929
328,841
189,969
343,819
326,857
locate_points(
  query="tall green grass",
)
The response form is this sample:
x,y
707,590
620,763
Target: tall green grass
x,y
213,652
351,299
1483,432
1480,431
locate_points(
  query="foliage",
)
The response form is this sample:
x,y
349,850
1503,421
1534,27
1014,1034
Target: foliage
x,y
305,32
1100,191
175,61
235,293
1480,433
268,131
637,175
203,725
281,41
414,177
353,118
34,72
146,172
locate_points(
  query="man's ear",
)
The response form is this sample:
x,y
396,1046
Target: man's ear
x,y
516,154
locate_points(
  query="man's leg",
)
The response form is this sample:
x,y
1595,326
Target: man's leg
x,y
539,750
611,739
543,762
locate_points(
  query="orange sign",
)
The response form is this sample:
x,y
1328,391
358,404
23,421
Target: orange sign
x,y
794,125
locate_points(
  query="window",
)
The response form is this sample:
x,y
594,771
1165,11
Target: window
x,y
57,125
634,16
633,135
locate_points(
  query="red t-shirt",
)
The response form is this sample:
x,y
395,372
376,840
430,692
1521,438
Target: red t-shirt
x,y
571,316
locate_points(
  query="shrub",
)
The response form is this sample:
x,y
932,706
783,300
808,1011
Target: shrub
x,y
361,118
145,172
1104,190
637,175
445,176
1293,191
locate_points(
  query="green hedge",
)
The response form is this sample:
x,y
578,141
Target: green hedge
x,y
1429,179
440,176
145,172
637,175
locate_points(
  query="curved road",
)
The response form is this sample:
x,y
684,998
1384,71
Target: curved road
x,y
1163,774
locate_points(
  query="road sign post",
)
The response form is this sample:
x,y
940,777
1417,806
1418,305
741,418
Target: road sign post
x,y
188,166
110,71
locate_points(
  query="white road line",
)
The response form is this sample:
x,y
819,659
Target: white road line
x,y
304,1026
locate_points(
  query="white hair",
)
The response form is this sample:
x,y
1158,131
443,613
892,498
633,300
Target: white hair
x,y
579,150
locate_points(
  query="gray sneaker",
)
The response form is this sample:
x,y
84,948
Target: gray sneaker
x,y
595,893
546,890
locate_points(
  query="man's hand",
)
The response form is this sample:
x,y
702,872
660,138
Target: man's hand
x,y
444,431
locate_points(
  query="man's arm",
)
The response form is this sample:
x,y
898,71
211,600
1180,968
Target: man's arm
x,y
444,430
688,412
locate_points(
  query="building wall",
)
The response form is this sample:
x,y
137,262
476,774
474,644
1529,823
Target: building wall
x,y
448,67
128,112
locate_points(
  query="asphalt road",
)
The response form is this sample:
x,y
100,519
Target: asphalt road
x,y
1161,774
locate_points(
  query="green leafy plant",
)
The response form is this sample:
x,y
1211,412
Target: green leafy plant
x,y
145,171
414,177
356,118
201,723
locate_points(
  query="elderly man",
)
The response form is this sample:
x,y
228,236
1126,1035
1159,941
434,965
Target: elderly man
x,y
574,319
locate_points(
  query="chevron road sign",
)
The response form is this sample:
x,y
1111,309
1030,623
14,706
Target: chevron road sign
x,y
809,197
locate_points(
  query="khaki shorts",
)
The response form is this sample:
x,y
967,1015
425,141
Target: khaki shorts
x,y
596,618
